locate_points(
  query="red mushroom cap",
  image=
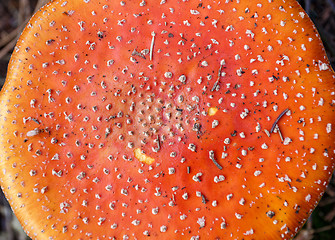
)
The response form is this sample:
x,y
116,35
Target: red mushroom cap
x,y
178,120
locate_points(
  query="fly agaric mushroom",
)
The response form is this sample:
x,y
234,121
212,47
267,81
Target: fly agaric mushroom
x,y
178,120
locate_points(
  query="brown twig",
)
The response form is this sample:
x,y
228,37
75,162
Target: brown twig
x,y
308,6
7,48
7,43
278,118
331,4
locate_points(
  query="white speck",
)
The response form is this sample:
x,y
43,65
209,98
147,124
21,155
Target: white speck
x,y
215,123
136,222
163,228
314,167
55,157
249,232
110,63
250,33
204,63
201,222
264,146
219,178
244,114
34,132
155,210
223,225
229,196
196,177
230,28
182,78
323,66
329,127
242,201
171,171
187,23
192,147
287,141
194,12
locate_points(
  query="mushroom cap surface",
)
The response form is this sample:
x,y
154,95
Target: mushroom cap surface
x,y
171,119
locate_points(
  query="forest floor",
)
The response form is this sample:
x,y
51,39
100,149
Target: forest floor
x,y
14,14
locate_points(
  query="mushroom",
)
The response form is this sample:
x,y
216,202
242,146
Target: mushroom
x,y
178,120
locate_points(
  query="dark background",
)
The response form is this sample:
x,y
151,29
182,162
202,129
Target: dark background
x,y
13,17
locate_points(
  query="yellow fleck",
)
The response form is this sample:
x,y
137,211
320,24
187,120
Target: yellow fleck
x,y
212,111
142,157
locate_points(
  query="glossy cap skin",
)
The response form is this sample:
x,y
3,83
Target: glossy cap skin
x,y
171,120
